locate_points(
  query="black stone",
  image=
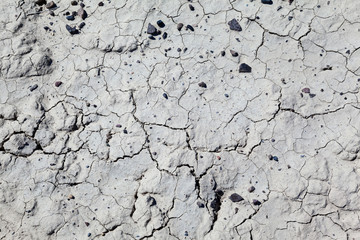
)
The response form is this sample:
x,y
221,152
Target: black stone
x,y
151,201
234,25
269,2
74,3
179,26
200,205
190,28
233,53
251,189
40,2
32,88
152,37
202,84
50,5
244,68
222,53
81,25
58,83
70,18
256,202
191,7
72,30
164,35
101,4
165,96
236,197
160,23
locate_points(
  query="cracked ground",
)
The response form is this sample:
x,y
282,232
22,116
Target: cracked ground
x,y
175,119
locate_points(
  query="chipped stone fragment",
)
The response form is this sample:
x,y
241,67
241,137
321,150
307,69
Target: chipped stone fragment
x,y
190,28
235,197
151,29
202,84
306,90
235,25
100,4
191,7
33,87
50,5
234,53
70,18
244,68
179,26
165,95
58,83
164,36
251,189
74,3
81,25
82,13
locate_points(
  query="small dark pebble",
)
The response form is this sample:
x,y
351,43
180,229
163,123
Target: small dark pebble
x,y
125,131
270,157
191,7
32,88
202,84
152,37
89,234
200,204
226,95
50,5
348,52
164,35
58,83
233,53
222,53
87,224
290,18
74,3
306,90
52,13
275,158
235,197
160,23
186,233
190,28
244,68
82,5
101,4
270,2
46,28
67,13
81,25
165,96
179,26
251,189
234,25
256,202
72,30
151,29
118,125
311,95
70,18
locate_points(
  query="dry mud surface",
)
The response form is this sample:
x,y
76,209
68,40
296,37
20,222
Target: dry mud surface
x,y
174,119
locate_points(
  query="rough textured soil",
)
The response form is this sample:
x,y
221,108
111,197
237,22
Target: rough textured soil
x,y
175,119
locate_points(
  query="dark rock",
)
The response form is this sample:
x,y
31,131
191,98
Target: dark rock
x,y
256,202
58,83
165,96
222,53
251,189
82,5
81,25
101,4
202,84
82,13
306,90
270,157
70,18
33,87
190,28
152,38
200,204
244,68
290,2
52,13
46,28
72,30
275,158
160,23
234,25
50,5
87,224
269,2
233,53
215,204
164,35
40,2
235,197
311,95
74,3
179,26
151,201
151,29
191,7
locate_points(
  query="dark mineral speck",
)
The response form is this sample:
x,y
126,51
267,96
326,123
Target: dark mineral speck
x,y
244,68
234,25
235,197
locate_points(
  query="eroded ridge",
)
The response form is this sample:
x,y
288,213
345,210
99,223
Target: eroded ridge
x,y
157,119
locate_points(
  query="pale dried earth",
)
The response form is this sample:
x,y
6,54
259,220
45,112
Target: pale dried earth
x,y
115,131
